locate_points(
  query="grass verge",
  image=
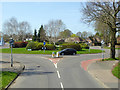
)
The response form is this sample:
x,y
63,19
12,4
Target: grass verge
x,y
24,51
116,71
109,48
110,59
6,77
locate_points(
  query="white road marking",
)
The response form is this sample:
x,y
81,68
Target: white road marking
x,y
61,85
44,57
55,65
58,74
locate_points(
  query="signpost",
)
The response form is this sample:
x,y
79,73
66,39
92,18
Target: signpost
x,y
102,42
44,45
11,44
89,46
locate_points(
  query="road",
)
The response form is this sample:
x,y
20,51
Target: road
x,y
40,72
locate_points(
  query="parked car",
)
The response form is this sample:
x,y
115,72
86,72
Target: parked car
x,y
68,51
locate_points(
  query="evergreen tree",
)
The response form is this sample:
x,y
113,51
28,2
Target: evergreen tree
x,y
35,35
38,38
42,34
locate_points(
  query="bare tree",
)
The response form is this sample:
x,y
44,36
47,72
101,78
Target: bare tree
x,y
16,30
84,34
53,28
65,34
104,31
107,13
24,28
79,34
10,27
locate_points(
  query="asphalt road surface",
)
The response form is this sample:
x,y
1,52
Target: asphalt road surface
x,y
40,72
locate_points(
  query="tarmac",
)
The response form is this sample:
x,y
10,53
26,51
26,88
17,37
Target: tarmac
x,y
102,72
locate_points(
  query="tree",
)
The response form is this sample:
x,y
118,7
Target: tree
x,y
6,38
42,34
78,34
104,12
16,30
24,28
29,35
10,27
53,28
65,34
38,37
84,34
74,35
35,35
103,29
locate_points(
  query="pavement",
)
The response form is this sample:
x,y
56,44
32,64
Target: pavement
x,y
101,71
6,66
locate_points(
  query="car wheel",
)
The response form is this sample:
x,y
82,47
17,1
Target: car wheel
x,y
73,53
62,53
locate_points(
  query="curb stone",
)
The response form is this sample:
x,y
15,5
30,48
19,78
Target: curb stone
x,y
23,67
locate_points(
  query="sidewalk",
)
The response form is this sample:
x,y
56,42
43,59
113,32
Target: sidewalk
x,y
101,71
6,66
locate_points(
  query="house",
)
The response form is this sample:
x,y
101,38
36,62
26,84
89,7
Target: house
x,y
118,39
94,41
74,39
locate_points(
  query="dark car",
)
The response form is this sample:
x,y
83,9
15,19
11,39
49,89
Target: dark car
x,y
68,51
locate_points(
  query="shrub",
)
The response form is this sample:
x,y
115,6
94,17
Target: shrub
x,y
32,45
74,46
20,44
50,47
38,46
84,45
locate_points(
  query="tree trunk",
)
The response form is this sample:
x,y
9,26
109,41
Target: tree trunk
x,y
113,41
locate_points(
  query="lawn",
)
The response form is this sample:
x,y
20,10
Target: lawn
x,y
116,71
24,51
86,51
6,77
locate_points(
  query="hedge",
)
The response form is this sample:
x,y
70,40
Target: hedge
x,y
20,44
74,46
84,45
32,45
38,46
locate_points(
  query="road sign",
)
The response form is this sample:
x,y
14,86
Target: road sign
x,y
102,42
11,43
44,43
